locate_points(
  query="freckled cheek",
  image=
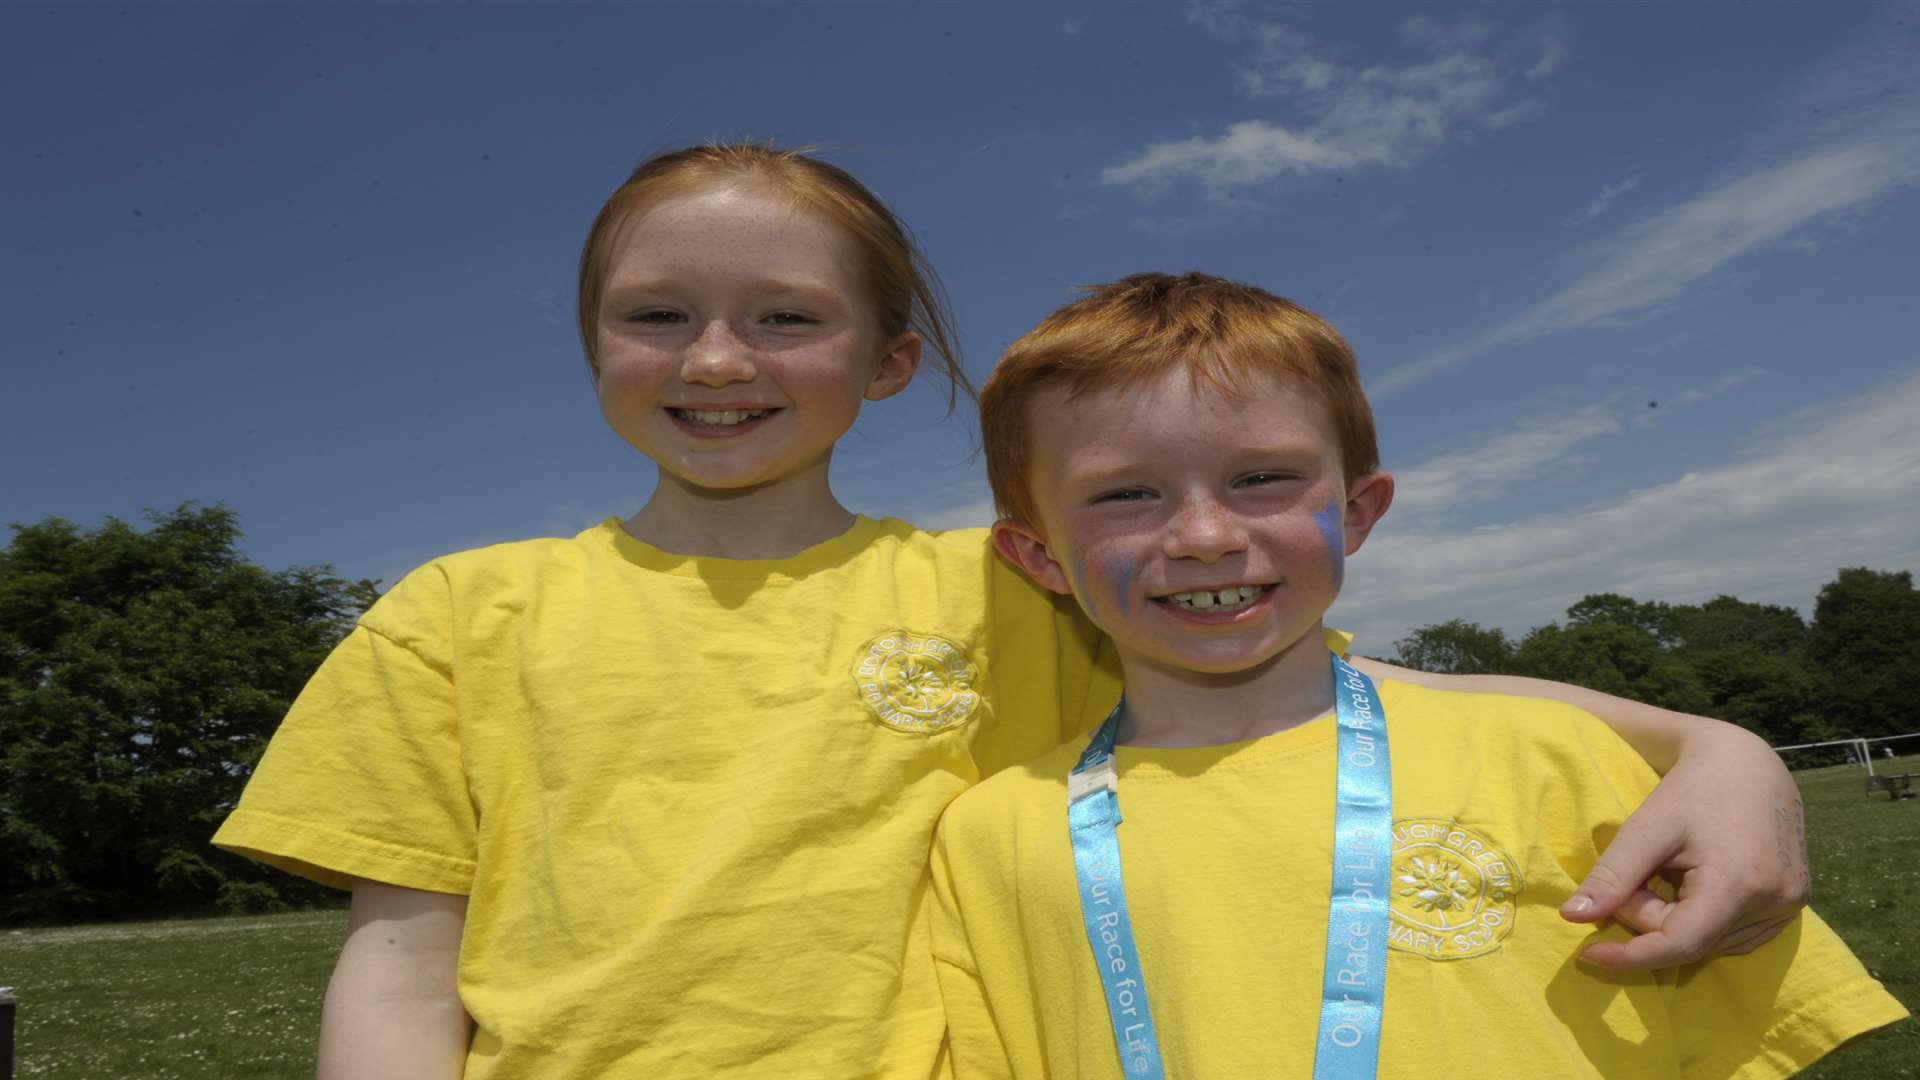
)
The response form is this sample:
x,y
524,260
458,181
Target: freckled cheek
x,y
1104,571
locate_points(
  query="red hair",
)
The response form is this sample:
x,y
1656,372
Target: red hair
x,y
1224,334
904,288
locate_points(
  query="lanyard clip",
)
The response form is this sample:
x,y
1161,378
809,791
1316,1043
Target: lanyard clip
x,y
1100,776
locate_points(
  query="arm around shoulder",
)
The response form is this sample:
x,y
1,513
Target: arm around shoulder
x,y
1724,825
393,1006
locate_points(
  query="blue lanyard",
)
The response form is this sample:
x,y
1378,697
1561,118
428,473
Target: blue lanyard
x,y
1353,981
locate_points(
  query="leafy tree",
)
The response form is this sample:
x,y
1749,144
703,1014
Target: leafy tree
x,y
1654,618
1726,622
1457,647
1614,658
1774,695
1865,641
141,673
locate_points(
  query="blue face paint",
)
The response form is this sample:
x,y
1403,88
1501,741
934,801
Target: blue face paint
x,y
1077,576
1330,528
1121,574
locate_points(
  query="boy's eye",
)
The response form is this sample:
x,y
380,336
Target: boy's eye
x,y
1263,477
1124,495
789,318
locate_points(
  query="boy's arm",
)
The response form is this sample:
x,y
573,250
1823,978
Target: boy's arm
x,y
1724,826
393,1007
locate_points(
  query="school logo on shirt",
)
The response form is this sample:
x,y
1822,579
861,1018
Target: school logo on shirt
x,y
1453,890
916,682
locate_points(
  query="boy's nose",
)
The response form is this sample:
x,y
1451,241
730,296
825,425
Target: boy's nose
x,y
717,357
1203,529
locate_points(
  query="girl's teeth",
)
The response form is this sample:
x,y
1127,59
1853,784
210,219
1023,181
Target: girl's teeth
x,y
724,418
1224,599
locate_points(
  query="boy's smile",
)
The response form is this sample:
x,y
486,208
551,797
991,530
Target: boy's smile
x,y
1205,532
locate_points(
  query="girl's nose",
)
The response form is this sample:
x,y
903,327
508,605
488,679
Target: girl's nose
x,y
717,357
1203,529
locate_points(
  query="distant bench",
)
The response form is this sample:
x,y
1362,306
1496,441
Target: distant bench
x,y
1896,785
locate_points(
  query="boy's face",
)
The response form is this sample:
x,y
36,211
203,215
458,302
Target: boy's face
x,y
1202,533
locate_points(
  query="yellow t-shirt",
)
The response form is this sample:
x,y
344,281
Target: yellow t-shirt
x,y
1501,806
690,799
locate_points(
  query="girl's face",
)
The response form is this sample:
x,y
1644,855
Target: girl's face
x,y
738,339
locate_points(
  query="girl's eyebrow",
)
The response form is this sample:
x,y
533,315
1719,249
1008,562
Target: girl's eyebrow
x,y
817,292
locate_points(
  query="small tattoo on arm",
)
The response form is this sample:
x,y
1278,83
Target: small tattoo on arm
x,y
1790,839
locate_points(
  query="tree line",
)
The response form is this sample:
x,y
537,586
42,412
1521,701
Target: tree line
x,y
1852,672
141,673
143,670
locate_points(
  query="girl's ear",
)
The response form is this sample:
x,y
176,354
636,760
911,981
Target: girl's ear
x,y
1367,500
896,369
1024,547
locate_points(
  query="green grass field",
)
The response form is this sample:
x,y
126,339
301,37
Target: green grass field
x,y
240,998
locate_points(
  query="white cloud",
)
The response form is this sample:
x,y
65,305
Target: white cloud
x,y
1221,18
1603,202
1871,151
1495,465
1552,55
1357,116
1835,486
1695,395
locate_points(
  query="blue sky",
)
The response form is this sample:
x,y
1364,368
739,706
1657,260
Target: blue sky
x,y
1632,284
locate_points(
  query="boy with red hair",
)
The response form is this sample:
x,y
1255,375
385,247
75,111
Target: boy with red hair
x,y
1193,461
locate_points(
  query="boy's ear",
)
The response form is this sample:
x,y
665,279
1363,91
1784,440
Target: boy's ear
x,y
1025,548
1367,500
896,369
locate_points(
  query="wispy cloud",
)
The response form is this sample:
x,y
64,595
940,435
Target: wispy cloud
x,y
1603,202
1496,464
1355,116
1221,18
1871,149
1697,394
1834,486
1552,55
1538,449
1073,27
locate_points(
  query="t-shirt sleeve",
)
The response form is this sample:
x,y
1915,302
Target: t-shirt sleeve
x,y
1768,1013
364,777
975,1045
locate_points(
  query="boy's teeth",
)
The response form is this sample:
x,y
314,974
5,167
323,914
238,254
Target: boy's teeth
x,y
1231,599
723,418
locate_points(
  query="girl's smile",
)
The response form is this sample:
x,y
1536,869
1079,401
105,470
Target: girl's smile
x,y
738,340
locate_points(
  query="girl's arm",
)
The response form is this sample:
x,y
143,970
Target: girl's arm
x,y
393,1006
1724,826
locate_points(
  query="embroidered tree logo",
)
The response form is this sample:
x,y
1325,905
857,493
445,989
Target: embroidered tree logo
x,y
916,682
1435,884
920,685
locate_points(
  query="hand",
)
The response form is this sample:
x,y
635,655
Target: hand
x,y
1725,827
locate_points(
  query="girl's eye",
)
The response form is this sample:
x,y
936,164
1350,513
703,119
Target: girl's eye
x,y
656,317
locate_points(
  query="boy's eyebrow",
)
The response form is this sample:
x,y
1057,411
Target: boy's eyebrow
x,y
1096,475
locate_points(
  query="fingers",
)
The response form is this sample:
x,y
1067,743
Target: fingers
x,y
1748,938
1641,849
1644,911
1693,927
